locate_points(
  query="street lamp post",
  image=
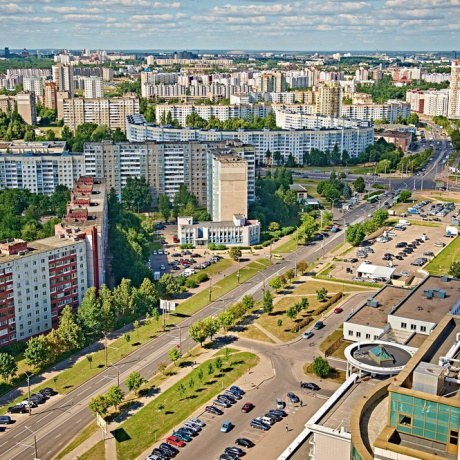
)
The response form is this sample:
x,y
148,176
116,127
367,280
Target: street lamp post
x,y
118,372
28,376
210,289
35,440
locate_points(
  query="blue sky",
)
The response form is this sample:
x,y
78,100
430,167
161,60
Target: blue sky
x,y
231,24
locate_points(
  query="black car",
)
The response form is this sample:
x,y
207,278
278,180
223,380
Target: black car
x,y
245,442
228,456
235,450
162,453
213,410
274,417
5,420
172,449
399,257
48,392
354,260
18,409
293,398
278,412
309,386
259,425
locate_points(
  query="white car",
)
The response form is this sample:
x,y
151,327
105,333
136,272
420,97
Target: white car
x,y
391,233
162,267
154,253
166,253
382,239
197,421
160,253
404,274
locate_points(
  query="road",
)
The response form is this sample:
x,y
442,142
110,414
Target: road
x,y
62,417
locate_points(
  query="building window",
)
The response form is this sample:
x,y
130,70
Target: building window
x,y
403,325
405,420
368,336
358,334
350,333
422,328
453,437
413,327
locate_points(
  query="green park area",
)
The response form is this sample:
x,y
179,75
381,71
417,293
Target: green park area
x,y
441,263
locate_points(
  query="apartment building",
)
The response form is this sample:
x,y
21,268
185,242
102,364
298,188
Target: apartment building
x,y
107,74
35,147
275,82
37,280
165,165
50,95
111,112
287,142
93,87
63,77
431,102
389,111
35,85
25,104
40,173
454,91
180,112
329,101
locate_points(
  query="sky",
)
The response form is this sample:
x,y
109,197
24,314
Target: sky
x,y
313,25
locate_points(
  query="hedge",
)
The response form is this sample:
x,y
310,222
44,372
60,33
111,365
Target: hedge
x,y
305,322
323,307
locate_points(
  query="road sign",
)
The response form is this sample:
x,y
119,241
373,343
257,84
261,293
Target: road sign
x,y
101,423
167,305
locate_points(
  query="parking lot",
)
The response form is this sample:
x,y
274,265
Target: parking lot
x,y
399,249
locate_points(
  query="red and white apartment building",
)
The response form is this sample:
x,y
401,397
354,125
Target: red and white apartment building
x,y
38,279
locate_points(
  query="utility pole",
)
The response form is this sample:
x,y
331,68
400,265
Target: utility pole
x,y
35,440
118,372
105,347
210,289
28,376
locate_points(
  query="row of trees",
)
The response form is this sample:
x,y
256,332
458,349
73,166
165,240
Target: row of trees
x,y
356,233
115,395
334,188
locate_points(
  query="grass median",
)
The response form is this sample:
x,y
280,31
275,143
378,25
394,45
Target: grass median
x,y
177,403
288,246
441,263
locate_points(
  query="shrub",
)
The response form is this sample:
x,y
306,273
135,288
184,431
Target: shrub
x,y
300,325
321,367
191,283
322,308
187,246
202,277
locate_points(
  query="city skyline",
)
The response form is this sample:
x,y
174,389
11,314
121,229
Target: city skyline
x,y
231,24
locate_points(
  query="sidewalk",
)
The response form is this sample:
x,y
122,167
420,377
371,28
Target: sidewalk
x,y
260,373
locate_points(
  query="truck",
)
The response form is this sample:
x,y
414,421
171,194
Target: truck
x,y
156,276
451,231
412,211
403,222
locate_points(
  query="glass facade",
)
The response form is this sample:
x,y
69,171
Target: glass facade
x,y
426,419
354,453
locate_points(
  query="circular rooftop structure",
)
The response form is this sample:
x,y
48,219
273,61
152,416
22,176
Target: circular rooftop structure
x,y
377,357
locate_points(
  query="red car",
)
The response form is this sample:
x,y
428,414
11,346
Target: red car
x,y
247,407
338,310
175,441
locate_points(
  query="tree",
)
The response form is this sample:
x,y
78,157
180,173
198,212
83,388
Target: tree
x,y
8,366
174,354
454,269
227,354
321,294
123,297
212,326
69,331
290,274
267,302
302,267
404,196
248,302
355,234
218,363
279,322
200,375
304,303
168,286
274,227
380,217
191,383
99,405
275,283
36,353
226,320
359,185
292,312
308,227
148,297
210,369
90,313
162,365
136,326
164,206
136,194
115,396
235,253
181,390
89,358
198,332
321,367
135,381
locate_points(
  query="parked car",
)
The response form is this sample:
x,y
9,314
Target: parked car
x,y
310,386
182,436
174,441
338,310
234,450
245,442
307,335
226,427
47,392
219,402
198,422
18,409
278,412
5,420
293,398
279,403
170,448
259,425
213,410
318,325
439,244
237,389
247,407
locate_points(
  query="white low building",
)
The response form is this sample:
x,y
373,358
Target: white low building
x,y
374,271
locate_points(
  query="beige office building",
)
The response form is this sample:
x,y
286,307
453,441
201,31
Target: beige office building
x,y
111,112
50,95
63,77
330,100
24,103
454,91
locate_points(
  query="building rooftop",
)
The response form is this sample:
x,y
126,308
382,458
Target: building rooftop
x,y
418,305
17,146
388,297
376,270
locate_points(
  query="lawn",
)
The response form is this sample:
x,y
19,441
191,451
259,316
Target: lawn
x,y
81,371
288,246
97,452
310,287
441,263
214,269
328,341
253,333
148,425
339,246
79,439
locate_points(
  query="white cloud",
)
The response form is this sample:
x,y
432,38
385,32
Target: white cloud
x,y
69,9
86,18
13,8
151,17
